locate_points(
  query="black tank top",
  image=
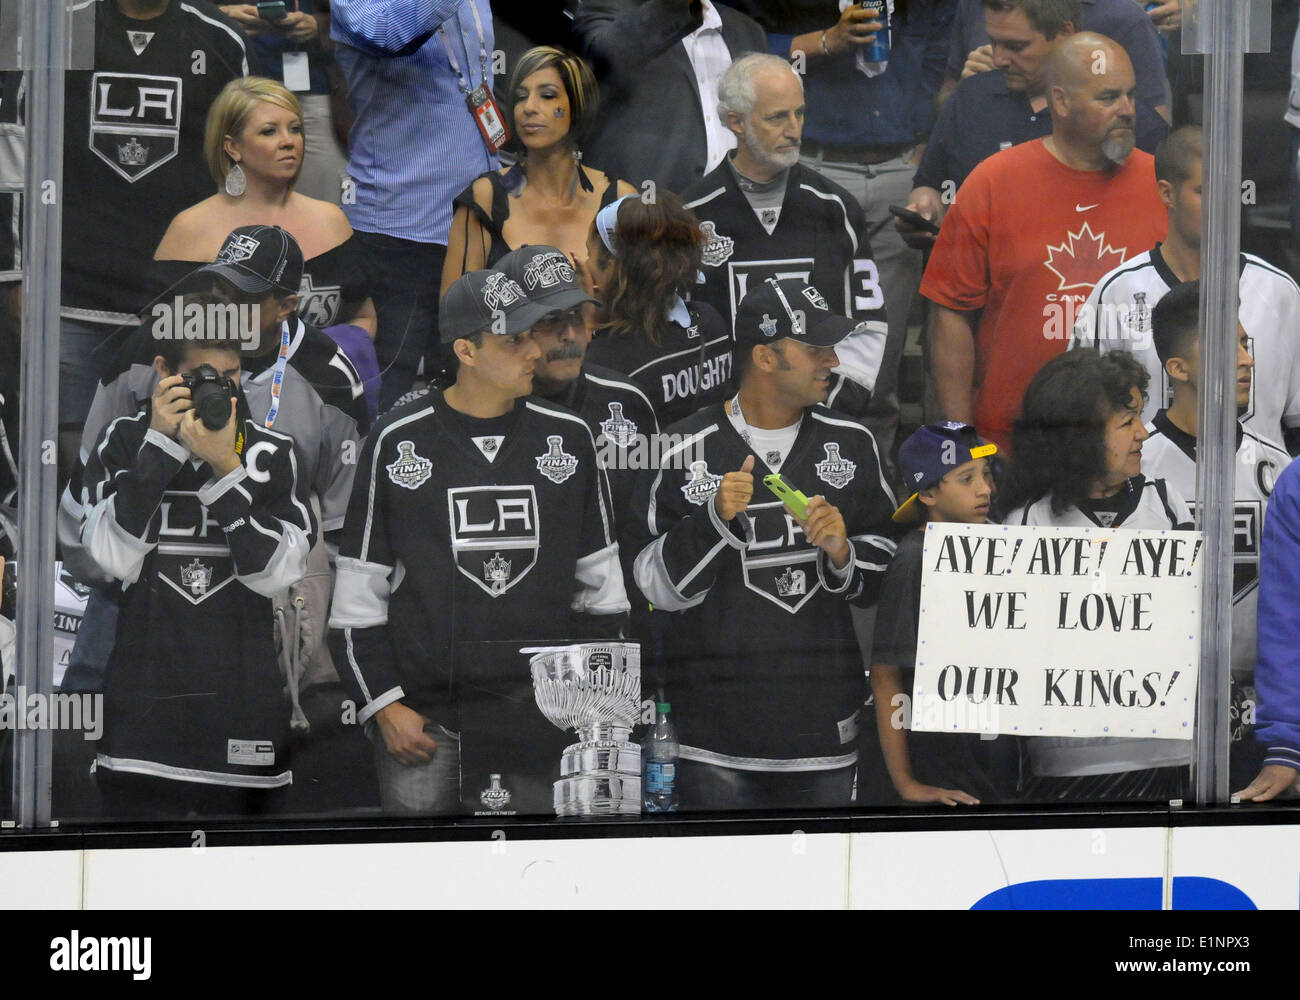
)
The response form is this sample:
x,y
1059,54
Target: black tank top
x,y
493,223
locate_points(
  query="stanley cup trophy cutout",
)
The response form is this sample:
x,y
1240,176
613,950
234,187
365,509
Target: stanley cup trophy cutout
x,y
593,688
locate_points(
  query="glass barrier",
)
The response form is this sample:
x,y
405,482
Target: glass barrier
x,y
728,408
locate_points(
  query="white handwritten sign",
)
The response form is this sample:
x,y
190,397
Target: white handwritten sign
x,y
1044,631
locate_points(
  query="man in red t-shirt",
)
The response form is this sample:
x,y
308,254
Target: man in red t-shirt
x,y
1031,231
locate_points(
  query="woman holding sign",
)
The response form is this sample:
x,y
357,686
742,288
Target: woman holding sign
x,y
1077,459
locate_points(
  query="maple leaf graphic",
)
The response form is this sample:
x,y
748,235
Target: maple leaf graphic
x,y
1083,259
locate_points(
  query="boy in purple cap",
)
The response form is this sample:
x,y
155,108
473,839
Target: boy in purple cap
x,y
948,466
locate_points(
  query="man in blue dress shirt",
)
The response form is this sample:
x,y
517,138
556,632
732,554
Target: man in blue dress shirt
x,y
415,146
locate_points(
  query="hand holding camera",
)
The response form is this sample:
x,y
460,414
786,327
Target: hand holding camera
x,y
216,447
171,398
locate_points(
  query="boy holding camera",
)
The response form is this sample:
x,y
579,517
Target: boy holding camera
x,y
198,511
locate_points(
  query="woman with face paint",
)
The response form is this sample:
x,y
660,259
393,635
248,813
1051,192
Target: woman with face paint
x,y
548,197
642,261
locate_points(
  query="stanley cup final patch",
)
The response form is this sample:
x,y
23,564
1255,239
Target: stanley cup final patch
x,y
834,470
556,464
618,428
409,470
699,489
717,248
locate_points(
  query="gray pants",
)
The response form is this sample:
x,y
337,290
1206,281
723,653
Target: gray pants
x,y
876,187
428,789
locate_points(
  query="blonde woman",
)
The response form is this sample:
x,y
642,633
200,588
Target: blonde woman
x,y
254,145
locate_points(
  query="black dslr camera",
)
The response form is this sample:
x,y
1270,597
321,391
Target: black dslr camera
x,y
211,394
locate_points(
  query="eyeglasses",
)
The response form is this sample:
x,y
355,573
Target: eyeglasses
x,y
556,322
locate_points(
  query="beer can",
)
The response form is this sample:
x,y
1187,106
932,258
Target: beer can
x,y
877,51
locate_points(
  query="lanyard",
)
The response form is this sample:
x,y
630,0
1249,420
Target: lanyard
x,y
482,50
277,379
742,427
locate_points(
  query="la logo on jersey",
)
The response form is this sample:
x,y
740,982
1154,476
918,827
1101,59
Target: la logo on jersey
x,y
778,563
834,470
702,484
1083,259
495,534
557,465
135,121
409,470
618,428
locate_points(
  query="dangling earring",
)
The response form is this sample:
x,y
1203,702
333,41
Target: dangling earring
x,y
235,181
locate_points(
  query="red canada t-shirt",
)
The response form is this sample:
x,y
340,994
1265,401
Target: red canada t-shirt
x,y
1025,240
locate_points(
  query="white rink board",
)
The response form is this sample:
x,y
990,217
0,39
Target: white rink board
x,y
788,871
1044,631
956,869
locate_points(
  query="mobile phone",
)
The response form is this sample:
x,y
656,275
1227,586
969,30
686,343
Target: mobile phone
x,y
788,495
914,218
275,11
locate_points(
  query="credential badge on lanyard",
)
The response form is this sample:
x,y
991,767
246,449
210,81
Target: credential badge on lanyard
x,y
481,103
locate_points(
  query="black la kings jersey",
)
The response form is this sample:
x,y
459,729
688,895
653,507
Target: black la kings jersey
x,y
133,146
623,424
322,409
690,368
446,542
820,237
1170,453
193,690
1117,317
764,667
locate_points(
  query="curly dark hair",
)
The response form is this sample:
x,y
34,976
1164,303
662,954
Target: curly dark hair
x,y
658,246
1058,441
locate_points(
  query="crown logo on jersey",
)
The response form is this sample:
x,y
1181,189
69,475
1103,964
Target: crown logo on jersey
x,y
1139,317
834,470
768,326
618,428
717,248
132,153
240,246
500,292
557,465
494,797
496,571
196,577
815,297
791,583
548,270
702,485
409,470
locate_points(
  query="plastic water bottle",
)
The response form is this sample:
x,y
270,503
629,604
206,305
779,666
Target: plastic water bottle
x,y
659,762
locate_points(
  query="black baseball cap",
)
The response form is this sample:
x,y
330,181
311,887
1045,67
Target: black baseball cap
x,y
929,454
259,260
488,301
546,275
789,307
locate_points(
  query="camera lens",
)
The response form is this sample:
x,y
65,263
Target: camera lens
x,y
211,397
